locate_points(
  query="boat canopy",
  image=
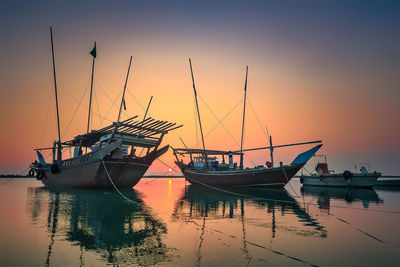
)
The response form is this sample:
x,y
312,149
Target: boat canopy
x,y
142,133
202,151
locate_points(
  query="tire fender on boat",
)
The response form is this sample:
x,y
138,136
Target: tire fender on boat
x,y
39,175
347,176
322,178
301,179
31,173
54,169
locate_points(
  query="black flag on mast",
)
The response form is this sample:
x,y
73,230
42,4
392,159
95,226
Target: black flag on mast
x,y
93,52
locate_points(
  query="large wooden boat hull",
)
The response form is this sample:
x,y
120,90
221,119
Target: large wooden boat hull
x,y
338,180
95,170
268,177
93,175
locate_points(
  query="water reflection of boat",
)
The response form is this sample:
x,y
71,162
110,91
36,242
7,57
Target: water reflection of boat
x,y
388,180
200,202
103,223
325,194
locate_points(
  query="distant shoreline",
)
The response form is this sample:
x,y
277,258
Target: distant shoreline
x,y
147,176
164,176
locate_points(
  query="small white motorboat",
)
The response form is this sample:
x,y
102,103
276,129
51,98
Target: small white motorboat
x,y
325,177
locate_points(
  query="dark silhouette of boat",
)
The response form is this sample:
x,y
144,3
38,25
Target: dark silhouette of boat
x,y
199,202
205,168
121,232
110,157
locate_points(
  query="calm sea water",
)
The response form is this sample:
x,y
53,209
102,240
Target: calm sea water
x,y
173,224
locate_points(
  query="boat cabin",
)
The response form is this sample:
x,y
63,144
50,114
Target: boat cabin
x,y
216,159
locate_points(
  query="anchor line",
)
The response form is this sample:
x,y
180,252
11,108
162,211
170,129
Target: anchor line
x,y
288,201
254,244
311,204
111,181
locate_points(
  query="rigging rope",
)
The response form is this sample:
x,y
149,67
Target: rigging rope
x,y
216,117
76,110
47,117
98,108
109,110
195,122
226,115
109,98
258,120
76,100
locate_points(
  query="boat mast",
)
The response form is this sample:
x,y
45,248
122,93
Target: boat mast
x,y
244,114
271,151
198,112
55,89
145,114
93,53
122,101
271,147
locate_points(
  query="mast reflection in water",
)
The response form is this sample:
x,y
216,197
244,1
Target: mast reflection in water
x,y
202,202
102,222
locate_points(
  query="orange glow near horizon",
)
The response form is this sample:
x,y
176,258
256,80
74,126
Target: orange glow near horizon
x,y
301,89
293,112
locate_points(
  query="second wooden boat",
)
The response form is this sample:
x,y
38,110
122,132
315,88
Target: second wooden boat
x,y
205,168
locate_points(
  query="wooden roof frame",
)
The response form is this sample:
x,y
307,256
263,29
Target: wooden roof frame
x,y
149,128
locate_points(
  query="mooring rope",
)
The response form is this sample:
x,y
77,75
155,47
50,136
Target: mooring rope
x,y
288,182
111,181
258,245
288,201
311,204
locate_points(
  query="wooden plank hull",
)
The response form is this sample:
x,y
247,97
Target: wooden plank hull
x,y
93,175
272,177
87,171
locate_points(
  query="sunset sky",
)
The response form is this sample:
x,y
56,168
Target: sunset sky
x,y
318,70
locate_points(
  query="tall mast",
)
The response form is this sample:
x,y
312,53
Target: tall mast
x,y
271,147
271,151
145,114
55,89
122,101
244,114
198,112
123,93
93,53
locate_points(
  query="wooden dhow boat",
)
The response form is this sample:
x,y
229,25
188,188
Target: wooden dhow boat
x,y
110,158
209,167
